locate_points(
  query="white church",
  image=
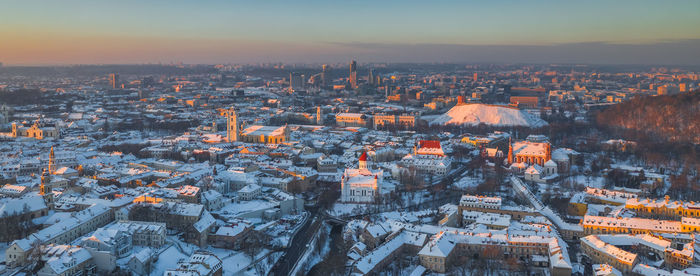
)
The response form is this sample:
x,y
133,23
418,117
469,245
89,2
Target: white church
x,y
361,185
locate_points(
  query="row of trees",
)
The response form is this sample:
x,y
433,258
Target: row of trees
x,y
16,226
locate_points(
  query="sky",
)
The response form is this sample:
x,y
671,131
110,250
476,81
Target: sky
x,y
49,32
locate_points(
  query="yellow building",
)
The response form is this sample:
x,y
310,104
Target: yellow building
x,y
351,119
603,249
265,134
663,209
577,205
383,120
530,152
406,120
35,131
604,253
593,225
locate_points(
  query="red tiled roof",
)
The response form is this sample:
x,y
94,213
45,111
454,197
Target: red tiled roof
x,y
363,157
429,144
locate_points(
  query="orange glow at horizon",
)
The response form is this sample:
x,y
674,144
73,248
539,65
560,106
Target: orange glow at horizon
x,y
43,48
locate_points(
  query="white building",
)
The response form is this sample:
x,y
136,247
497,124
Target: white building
x,y
249,192
484,202
232,180
212,200
361,184
201,262
106,245
63,232
539,174
141,262
428,158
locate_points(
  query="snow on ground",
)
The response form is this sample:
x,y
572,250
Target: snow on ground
x,y
344,209
408,199
415,198
239,208
3,247
588,181
316,256
416,217
283,230
430,118
234,262
266,264
467,182
474,114
388,186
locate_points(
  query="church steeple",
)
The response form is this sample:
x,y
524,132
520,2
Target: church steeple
x,y
52,162
231,125
363,161
510,152
44,180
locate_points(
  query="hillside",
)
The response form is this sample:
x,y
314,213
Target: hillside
x,y
674,118
495,115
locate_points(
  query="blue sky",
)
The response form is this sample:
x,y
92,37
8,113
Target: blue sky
x,y
65,32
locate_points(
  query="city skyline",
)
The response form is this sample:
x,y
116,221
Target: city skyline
x,y
127,32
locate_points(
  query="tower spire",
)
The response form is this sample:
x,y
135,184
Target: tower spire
x,y
319,116
231,125
44,179
510,151
52,162
363,161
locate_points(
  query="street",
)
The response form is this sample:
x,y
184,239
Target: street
x,y
299,242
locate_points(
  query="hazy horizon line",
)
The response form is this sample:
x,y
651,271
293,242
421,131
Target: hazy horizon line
x,y
678,52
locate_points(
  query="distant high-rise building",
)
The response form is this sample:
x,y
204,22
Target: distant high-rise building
x,y
296,81
370,77
114,81
476,76
319,116
147,81
353,74
683,87
324,76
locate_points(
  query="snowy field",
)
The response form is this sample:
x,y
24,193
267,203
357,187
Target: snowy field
x,y
588,181
407,199
467,182
345,209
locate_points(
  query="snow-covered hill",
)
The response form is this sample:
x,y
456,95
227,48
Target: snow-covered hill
x,y
496,115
